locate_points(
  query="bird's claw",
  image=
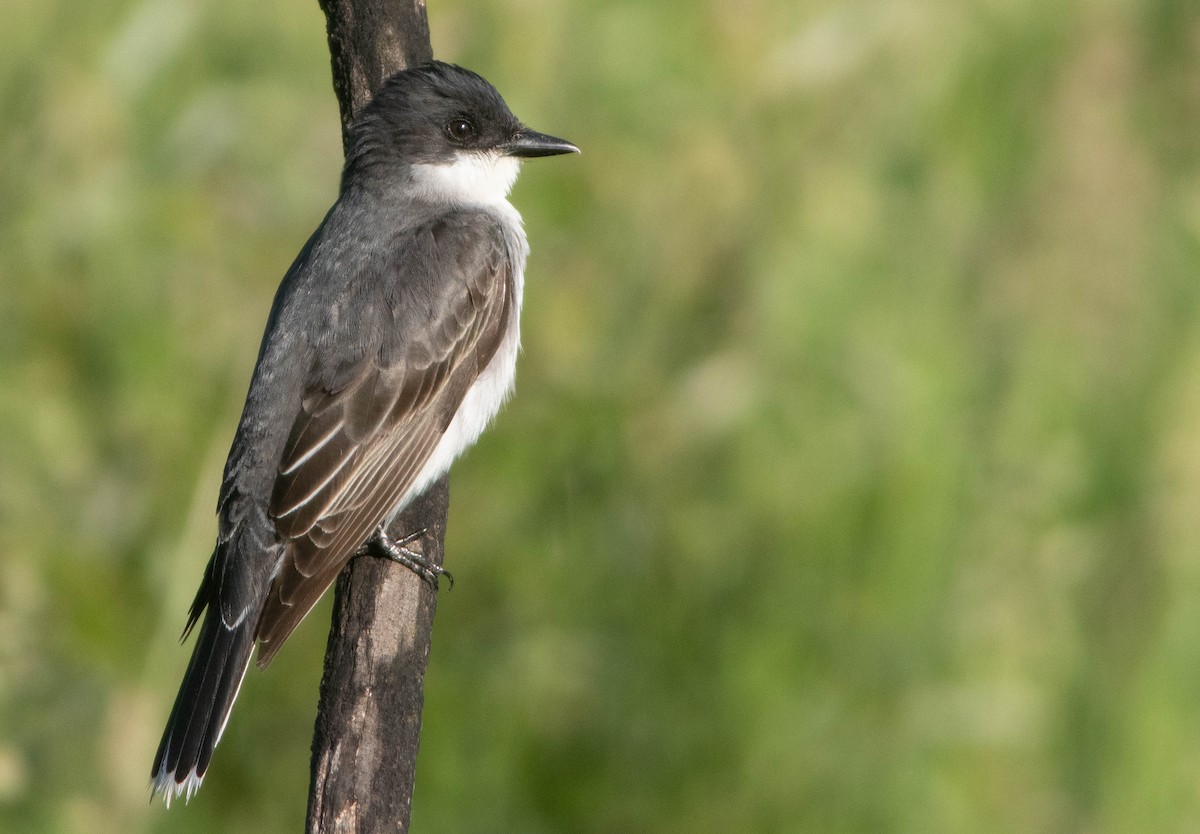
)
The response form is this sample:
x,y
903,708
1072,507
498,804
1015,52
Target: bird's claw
x,y
381,544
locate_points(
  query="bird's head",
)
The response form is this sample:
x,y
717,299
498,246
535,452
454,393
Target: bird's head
x,y
449,132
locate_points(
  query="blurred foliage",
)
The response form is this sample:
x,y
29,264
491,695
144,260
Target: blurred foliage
x,y
853,478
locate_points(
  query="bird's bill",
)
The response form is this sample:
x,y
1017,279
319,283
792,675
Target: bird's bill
x,y
529,143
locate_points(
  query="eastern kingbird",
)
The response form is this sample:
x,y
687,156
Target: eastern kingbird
x,y
391,343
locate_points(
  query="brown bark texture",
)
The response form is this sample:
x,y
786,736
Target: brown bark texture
x,y
368,723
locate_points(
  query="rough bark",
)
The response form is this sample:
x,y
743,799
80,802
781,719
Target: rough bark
x,y
368,724
368,41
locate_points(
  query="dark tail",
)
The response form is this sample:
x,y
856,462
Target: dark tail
x,y
202,707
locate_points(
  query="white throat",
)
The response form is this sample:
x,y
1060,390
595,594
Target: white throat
x,y
471,179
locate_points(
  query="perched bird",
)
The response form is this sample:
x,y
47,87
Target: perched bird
x,y
391,343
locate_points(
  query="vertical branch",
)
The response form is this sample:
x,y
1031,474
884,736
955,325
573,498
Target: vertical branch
x,y
368,724
368,41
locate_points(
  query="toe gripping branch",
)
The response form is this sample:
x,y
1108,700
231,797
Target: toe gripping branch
x,y
382,545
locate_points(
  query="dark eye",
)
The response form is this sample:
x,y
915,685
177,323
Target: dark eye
x,y
460,129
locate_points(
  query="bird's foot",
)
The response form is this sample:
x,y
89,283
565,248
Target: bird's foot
x,y
383,545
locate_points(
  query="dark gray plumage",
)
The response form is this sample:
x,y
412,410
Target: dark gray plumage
x,y
391,343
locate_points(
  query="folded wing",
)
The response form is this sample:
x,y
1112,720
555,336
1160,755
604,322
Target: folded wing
x,y
362,438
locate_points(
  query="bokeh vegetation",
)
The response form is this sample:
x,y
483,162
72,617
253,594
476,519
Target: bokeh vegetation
x,y
853,480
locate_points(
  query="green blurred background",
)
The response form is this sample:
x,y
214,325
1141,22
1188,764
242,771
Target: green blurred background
x,y
853,478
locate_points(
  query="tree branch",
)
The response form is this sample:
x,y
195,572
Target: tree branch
x,y
368,724
368,41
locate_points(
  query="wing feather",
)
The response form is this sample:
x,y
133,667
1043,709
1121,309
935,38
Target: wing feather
x,y
296,591
358,446
296,457
331,463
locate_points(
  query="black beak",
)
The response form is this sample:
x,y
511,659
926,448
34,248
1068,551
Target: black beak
x,y
529,143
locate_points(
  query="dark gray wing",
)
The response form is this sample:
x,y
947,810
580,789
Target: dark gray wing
x,y
363,435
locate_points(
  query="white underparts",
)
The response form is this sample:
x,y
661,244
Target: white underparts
x,y
473,178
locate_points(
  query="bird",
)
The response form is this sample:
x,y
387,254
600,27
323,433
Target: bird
x,y
390,345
